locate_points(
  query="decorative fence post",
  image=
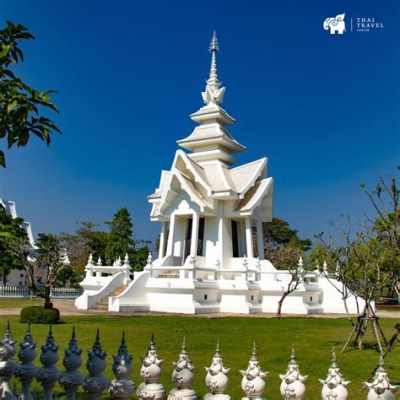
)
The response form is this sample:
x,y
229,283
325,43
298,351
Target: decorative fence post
x,y
216,378
127,269
380,387
27,370
122,387
183,377
7,365
49,374
151,388
72,378
334,384
292,386
96,382
253,383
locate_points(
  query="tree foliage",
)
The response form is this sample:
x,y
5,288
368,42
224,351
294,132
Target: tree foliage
x,y
10,228
21,106
86,240
120,240
282,245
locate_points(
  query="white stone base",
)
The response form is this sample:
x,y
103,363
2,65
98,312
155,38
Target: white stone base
x,y
182,394
150,391
217,396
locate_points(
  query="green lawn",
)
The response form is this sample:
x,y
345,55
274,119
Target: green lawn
x,y
19,303
313,339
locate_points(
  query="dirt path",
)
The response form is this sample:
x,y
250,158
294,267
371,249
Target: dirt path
x,y
66,307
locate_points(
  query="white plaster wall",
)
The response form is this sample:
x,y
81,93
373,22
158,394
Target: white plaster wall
x,y
173,302
332,300
211,241
234,302
179,237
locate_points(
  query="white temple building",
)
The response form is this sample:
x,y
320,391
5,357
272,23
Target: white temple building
x,y
211,249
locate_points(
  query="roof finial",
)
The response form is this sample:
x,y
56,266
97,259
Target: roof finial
x,y
213,78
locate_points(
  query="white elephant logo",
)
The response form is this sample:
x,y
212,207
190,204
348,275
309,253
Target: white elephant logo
x,y
335,24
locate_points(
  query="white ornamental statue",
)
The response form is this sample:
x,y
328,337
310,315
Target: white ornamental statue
x,y
26,371
216,378
122,386
292,386
253,382
7,365
334,386
380,387
183,377
72,378
49,374
151,388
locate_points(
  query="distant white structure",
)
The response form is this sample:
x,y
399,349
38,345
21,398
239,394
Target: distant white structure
x,y
211,248
18,277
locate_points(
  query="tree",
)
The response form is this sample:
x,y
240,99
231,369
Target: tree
x,y
48,263
21,106
10,228
370,259
120,240
282,245
279,233
319,255
84,241
296,276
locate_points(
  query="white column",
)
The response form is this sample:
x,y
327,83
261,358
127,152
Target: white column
x,y
249,238
260,240
195,234
170,244
162,239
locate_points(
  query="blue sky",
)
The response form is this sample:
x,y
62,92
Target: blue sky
x,y
324,108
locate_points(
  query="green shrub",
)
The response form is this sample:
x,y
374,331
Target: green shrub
x,y
40,315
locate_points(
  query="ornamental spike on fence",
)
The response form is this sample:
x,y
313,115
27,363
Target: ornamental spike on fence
x,y
72,378
27,370
122,386
7,365
292,386
380,388
183,377
334,386
253,381
150,371
216,378
49,374
95,383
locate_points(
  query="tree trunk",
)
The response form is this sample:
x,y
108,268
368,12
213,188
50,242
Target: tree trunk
x,y
46,296
280,303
